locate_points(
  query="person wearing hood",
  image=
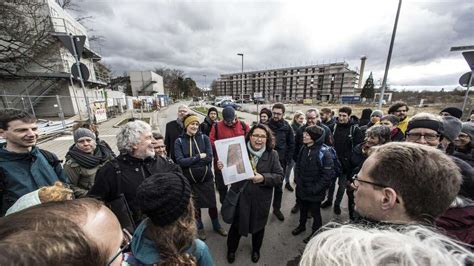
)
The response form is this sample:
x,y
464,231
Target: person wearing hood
x,y
23,166
84,159
313,177
211,119
265,116
167,236
365,117
193,153
451,111
174,129
464,144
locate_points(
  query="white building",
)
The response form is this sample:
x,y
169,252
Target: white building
x,y
146,83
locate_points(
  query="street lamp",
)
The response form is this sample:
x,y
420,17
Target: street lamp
x,y
389,57
205,83
242,80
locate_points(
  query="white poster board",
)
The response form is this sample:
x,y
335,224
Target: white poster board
x,y
233,154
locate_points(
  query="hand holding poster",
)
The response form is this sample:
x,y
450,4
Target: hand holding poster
x,y
233,154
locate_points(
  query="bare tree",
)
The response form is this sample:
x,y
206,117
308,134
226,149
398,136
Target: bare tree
x,y
25,28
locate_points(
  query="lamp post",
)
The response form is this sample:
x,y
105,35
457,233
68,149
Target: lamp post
x,y
242,79
205,83
389,57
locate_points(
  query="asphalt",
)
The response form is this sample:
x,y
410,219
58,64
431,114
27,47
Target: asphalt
x,y
279,247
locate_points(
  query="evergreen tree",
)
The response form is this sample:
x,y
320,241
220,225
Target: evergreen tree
x,y
368,90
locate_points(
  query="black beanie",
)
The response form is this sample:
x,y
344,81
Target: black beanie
x,y
453,111
164,197
266,111
212,109
315,132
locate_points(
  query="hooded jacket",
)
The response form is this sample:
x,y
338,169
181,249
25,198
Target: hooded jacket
x,y
313,175
328,139
26,172
144,251
284,140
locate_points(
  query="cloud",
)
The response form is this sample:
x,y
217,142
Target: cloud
x,y
203,37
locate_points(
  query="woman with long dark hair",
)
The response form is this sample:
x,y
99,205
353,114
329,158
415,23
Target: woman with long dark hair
x,y
256,196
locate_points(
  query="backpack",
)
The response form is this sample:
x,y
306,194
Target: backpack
x,y
337,163
242,123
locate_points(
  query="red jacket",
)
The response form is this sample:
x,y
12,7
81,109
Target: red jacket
x,y
225,132
458,223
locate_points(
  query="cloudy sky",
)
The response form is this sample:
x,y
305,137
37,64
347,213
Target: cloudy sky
x,y
204,37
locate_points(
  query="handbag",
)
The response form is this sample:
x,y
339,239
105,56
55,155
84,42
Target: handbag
x,y
229,205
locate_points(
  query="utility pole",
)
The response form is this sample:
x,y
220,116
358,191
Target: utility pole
x,y
242,80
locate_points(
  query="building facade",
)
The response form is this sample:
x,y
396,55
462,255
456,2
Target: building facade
x,y
323,82
146,83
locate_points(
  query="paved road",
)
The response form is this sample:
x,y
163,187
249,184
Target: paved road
x,y
280,247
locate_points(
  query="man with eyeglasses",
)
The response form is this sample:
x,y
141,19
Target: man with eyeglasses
x,y
230,126
400,109
174,129
285,146
402,183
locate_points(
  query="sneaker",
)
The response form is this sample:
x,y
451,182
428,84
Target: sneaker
x,y
337,210
279,215
295,208
221,231
326,204
201,234
289,188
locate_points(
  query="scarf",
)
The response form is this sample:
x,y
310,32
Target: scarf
x,y
89,161
255,155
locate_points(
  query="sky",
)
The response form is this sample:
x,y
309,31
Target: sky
x,y
204,37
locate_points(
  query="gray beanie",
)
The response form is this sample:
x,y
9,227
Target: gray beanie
x,y
451,127
378,113
468,128
83,132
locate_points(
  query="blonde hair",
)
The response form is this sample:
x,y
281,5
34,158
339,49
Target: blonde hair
x,y
57,192
364,246
297,115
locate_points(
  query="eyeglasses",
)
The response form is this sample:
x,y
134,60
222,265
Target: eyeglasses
x,y
259,136
417,136
355,180
127,240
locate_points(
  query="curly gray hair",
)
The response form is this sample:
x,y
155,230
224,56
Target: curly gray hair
x,y
380,131
129,135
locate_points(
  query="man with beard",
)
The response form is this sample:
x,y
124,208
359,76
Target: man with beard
x,y
327,118
285,146
174,129
346,137
136,162
312,119
23,166
400,109
209,121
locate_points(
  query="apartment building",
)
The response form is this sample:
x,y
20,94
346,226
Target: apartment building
x,y
322,82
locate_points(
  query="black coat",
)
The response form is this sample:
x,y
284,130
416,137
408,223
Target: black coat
x,y
330,124
357,159
206,126
313,177
173,131
284,140
110,183
256,199
328,140
344,144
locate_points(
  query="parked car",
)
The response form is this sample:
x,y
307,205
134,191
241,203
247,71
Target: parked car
x,y
219,101
231,103
259,101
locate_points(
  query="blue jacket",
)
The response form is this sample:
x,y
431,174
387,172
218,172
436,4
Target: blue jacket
x,y
144,251
26,172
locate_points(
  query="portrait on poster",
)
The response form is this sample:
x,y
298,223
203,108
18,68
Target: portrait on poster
x,y
233,154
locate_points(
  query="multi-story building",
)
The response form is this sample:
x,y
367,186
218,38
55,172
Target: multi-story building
x,y
146,83
322,82
44,82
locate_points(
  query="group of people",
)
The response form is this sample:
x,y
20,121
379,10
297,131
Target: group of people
x,y
408,181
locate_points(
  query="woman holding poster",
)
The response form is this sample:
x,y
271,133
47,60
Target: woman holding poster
x,y
256,197
194,154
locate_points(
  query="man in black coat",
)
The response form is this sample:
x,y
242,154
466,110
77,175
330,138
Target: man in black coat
x,y
285,146
136,162
211,119
346,137
174,129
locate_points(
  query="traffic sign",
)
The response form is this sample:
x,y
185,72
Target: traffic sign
x,y
84,71
464,79
469,56
78,40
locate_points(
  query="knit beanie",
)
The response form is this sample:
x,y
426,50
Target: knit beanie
x,y
83,132
212,109
468,128
267,112
315,132
228,114
451,127
377,113
425,123
456,112
164,197
189,119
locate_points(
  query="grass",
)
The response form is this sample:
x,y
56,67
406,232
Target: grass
x,y
203,110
